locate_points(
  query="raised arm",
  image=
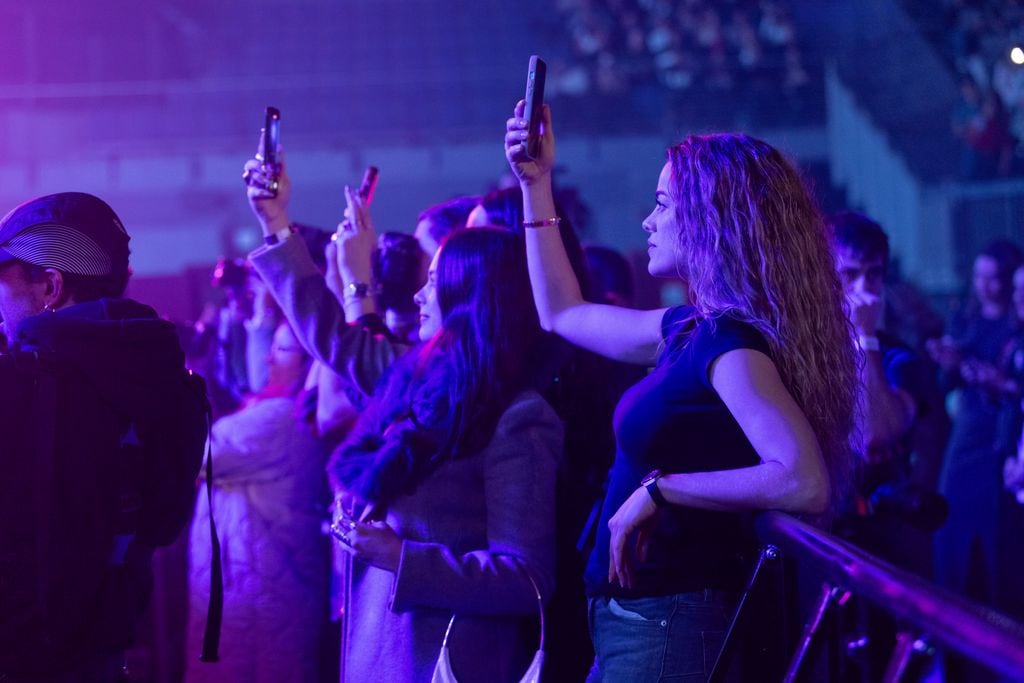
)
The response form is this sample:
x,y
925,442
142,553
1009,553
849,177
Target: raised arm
x,y
359,350
620,333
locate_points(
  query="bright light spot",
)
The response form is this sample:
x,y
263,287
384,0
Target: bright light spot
x,y
1017,55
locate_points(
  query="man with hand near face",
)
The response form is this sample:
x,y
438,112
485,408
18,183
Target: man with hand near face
x,y
889,373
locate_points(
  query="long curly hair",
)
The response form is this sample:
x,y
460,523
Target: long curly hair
x,y
753,245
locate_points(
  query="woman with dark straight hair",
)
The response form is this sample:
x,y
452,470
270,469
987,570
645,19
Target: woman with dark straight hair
x,y
749,406
453,464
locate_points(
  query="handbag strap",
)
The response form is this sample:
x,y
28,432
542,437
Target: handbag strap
x,y
540,607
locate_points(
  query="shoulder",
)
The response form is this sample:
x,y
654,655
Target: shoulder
x,y
713,337
528,409
529,420
677,322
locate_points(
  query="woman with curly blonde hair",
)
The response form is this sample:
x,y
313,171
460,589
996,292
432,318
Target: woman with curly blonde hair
x,y
749,406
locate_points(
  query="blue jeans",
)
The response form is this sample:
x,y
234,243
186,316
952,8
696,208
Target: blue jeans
x,y
666,638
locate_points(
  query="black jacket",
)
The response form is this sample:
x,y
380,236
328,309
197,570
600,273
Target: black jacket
x,y
101,435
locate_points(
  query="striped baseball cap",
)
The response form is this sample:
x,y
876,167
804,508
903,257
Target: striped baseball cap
x,y
73,232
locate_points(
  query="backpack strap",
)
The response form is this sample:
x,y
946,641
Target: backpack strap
x,y
215,609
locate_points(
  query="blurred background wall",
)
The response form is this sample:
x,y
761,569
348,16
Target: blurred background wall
x,y
156,106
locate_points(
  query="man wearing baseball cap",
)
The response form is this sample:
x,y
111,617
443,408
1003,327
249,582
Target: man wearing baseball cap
x,y
101,439
59,250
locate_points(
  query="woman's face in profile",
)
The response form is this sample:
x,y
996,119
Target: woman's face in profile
x,y
426,299
662,230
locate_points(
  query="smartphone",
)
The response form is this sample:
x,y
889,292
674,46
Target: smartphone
x,y
271,135
534,101
369,184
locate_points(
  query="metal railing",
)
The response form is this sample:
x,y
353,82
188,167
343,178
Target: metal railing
x,y
927,616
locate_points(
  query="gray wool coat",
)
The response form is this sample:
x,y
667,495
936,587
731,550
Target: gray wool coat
x,y
471,531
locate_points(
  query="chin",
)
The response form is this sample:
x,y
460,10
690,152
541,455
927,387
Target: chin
x,y
659,271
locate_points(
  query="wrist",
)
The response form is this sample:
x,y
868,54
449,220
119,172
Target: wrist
x,y
353,275
650,482
356,290
537,183
275,224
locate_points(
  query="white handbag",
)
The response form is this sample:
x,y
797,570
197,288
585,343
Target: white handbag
x,y
443,669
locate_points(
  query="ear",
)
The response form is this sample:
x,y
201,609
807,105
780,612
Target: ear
x,y
55,295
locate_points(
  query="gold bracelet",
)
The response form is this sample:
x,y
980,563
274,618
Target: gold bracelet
x,y
540,224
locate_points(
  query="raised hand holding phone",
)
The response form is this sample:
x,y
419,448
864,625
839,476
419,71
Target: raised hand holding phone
x,y
271,137
355,241
369,184
529,138
536,77
268,186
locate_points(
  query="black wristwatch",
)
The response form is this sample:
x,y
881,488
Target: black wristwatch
x,y
650,482
357,290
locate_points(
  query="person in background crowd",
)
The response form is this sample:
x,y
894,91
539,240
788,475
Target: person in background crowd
x,y
889,516
440,220
747,408
970,358
894,381
269,499
398,271
1010,550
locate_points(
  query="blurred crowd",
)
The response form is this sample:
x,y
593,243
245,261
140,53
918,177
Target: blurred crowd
x,y
979,36
743,49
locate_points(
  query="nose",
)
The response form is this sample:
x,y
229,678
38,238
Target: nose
x,y
648,225
419,298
